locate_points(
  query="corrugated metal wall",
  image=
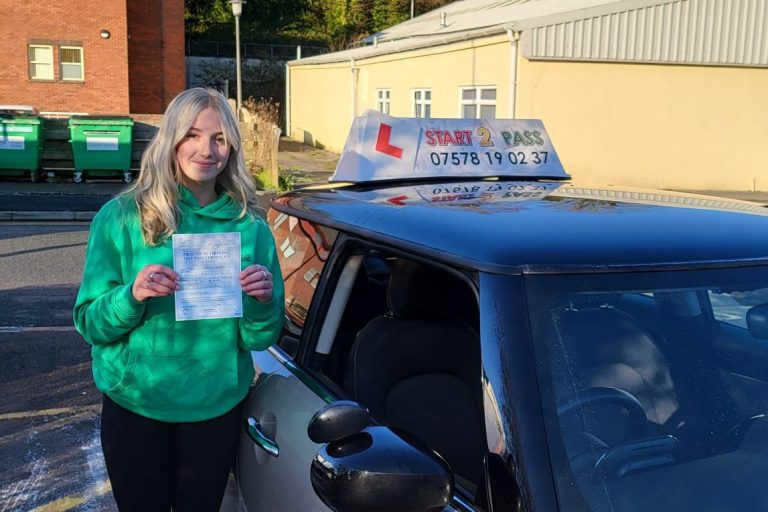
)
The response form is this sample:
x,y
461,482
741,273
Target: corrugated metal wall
x,y
708,32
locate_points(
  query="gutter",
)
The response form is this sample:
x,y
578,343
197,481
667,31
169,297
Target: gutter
x,y
401,45
288,100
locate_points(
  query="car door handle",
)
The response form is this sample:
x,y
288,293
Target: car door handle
x,y
253,428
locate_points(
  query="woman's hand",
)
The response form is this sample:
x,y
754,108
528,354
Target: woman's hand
x,y
154,281
256,281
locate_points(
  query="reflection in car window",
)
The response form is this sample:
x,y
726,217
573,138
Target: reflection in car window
x,y
303,248
731,306
645,387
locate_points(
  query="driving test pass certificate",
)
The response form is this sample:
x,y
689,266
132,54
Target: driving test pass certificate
x,y
209,269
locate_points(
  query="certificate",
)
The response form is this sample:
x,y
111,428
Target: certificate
x,y
209,270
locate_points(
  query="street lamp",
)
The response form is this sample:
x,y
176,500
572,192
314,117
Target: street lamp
x,y
237,10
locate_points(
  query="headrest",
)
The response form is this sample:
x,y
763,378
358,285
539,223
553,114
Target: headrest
x,y
596,335
423,291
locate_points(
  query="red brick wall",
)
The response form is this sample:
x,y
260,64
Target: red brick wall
x,y
139,69
66,22
155,53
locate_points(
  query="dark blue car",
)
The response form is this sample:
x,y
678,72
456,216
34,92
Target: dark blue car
x,y
506,344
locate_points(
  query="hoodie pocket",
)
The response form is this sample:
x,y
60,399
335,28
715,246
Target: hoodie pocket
x,y
127,374
184,382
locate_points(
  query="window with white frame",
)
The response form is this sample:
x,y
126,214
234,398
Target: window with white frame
x,y
422,103
382,100
71,62
478,102
40,61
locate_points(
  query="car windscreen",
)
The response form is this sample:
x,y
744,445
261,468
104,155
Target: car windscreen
x,y
654,387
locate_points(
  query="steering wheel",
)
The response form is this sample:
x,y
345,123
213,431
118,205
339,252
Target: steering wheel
x,y
636,420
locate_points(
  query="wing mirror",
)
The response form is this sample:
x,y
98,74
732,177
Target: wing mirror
x,y
337,420
757,321
372,469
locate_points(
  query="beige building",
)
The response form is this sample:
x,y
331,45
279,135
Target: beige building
x,y
650,93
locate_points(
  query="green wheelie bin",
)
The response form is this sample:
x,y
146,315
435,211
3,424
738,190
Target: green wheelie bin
x,y
21,144
101,146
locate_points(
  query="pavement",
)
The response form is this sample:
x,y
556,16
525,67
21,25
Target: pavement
x,y
67,201
62,200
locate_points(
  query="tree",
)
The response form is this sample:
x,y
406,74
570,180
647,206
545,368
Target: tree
x,y
386,13
335,23
203,16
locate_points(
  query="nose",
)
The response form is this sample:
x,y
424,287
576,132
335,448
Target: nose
x,y
206,147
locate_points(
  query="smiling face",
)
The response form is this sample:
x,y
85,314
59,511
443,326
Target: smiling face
x,y
203,153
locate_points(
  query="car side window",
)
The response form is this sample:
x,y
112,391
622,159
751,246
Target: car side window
x,y
303,249
407,347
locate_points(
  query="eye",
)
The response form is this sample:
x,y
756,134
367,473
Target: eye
x,y
191,135
221,140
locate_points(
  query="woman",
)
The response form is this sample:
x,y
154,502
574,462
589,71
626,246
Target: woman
x,y
173,390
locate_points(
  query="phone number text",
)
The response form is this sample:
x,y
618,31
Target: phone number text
x,y
493,158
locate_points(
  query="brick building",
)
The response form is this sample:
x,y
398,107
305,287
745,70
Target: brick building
x,y
107,57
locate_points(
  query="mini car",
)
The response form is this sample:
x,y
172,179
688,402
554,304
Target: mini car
x,y
494,342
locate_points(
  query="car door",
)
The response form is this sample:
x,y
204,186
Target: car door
x,y
294,382
282,405
275,453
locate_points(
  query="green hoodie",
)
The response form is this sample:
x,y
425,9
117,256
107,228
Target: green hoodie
x,y
143,358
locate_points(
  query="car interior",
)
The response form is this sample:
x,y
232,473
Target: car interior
x,y
407,348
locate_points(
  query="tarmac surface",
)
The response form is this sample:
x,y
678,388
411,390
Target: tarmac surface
x,y
63,200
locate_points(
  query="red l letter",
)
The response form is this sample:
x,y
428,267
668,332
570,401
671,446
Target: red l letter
x,y
383,145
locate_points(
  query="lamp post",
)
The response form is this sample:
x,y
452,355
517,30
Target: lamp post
x,y
237,10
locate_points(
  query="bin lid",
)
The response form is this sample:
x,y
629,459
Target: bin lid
x,y
101,120
19,119
18,110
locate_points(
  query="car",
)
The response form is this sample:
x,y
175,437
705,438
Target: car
x,y
505,338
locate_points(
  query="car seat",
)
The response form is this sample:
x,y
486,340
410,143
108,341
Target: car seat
x,y
417,367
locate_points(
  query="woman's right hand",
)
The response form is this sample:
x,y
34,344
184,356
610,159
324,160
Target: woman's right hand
x,y
155,281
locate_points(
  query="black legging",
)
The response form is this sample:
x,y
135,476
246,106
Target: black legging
x,y
159,466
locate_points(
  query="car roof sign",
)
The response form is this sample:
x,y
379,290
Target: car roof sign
x,y
381,147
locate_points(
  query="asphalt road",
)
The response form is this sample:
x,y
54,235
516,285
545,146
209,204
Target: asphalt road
x,y
49,411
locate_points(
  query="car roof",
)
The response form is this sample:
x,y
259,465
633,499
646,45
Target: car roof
x,y
540,226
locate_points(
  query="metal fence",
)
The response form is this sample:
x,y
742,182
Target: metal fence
x,y
269,51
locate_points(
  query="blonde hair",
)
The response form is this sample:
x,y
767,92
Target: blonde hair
x,y
156,191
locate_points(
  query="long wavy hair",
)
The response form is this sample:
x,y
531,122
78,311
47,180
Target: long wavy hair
x,y
156,191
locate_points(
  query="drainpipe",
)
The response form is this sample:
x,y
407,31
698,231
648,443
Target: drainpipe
x,y
288,100
514,40
353,99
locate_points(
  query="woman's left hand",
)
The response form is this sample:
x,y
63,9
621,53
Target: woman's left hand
x,y
256,281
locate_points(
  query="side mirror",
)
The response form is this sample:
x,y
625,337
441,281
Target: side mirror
x,y
337,420
377,471
757,321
